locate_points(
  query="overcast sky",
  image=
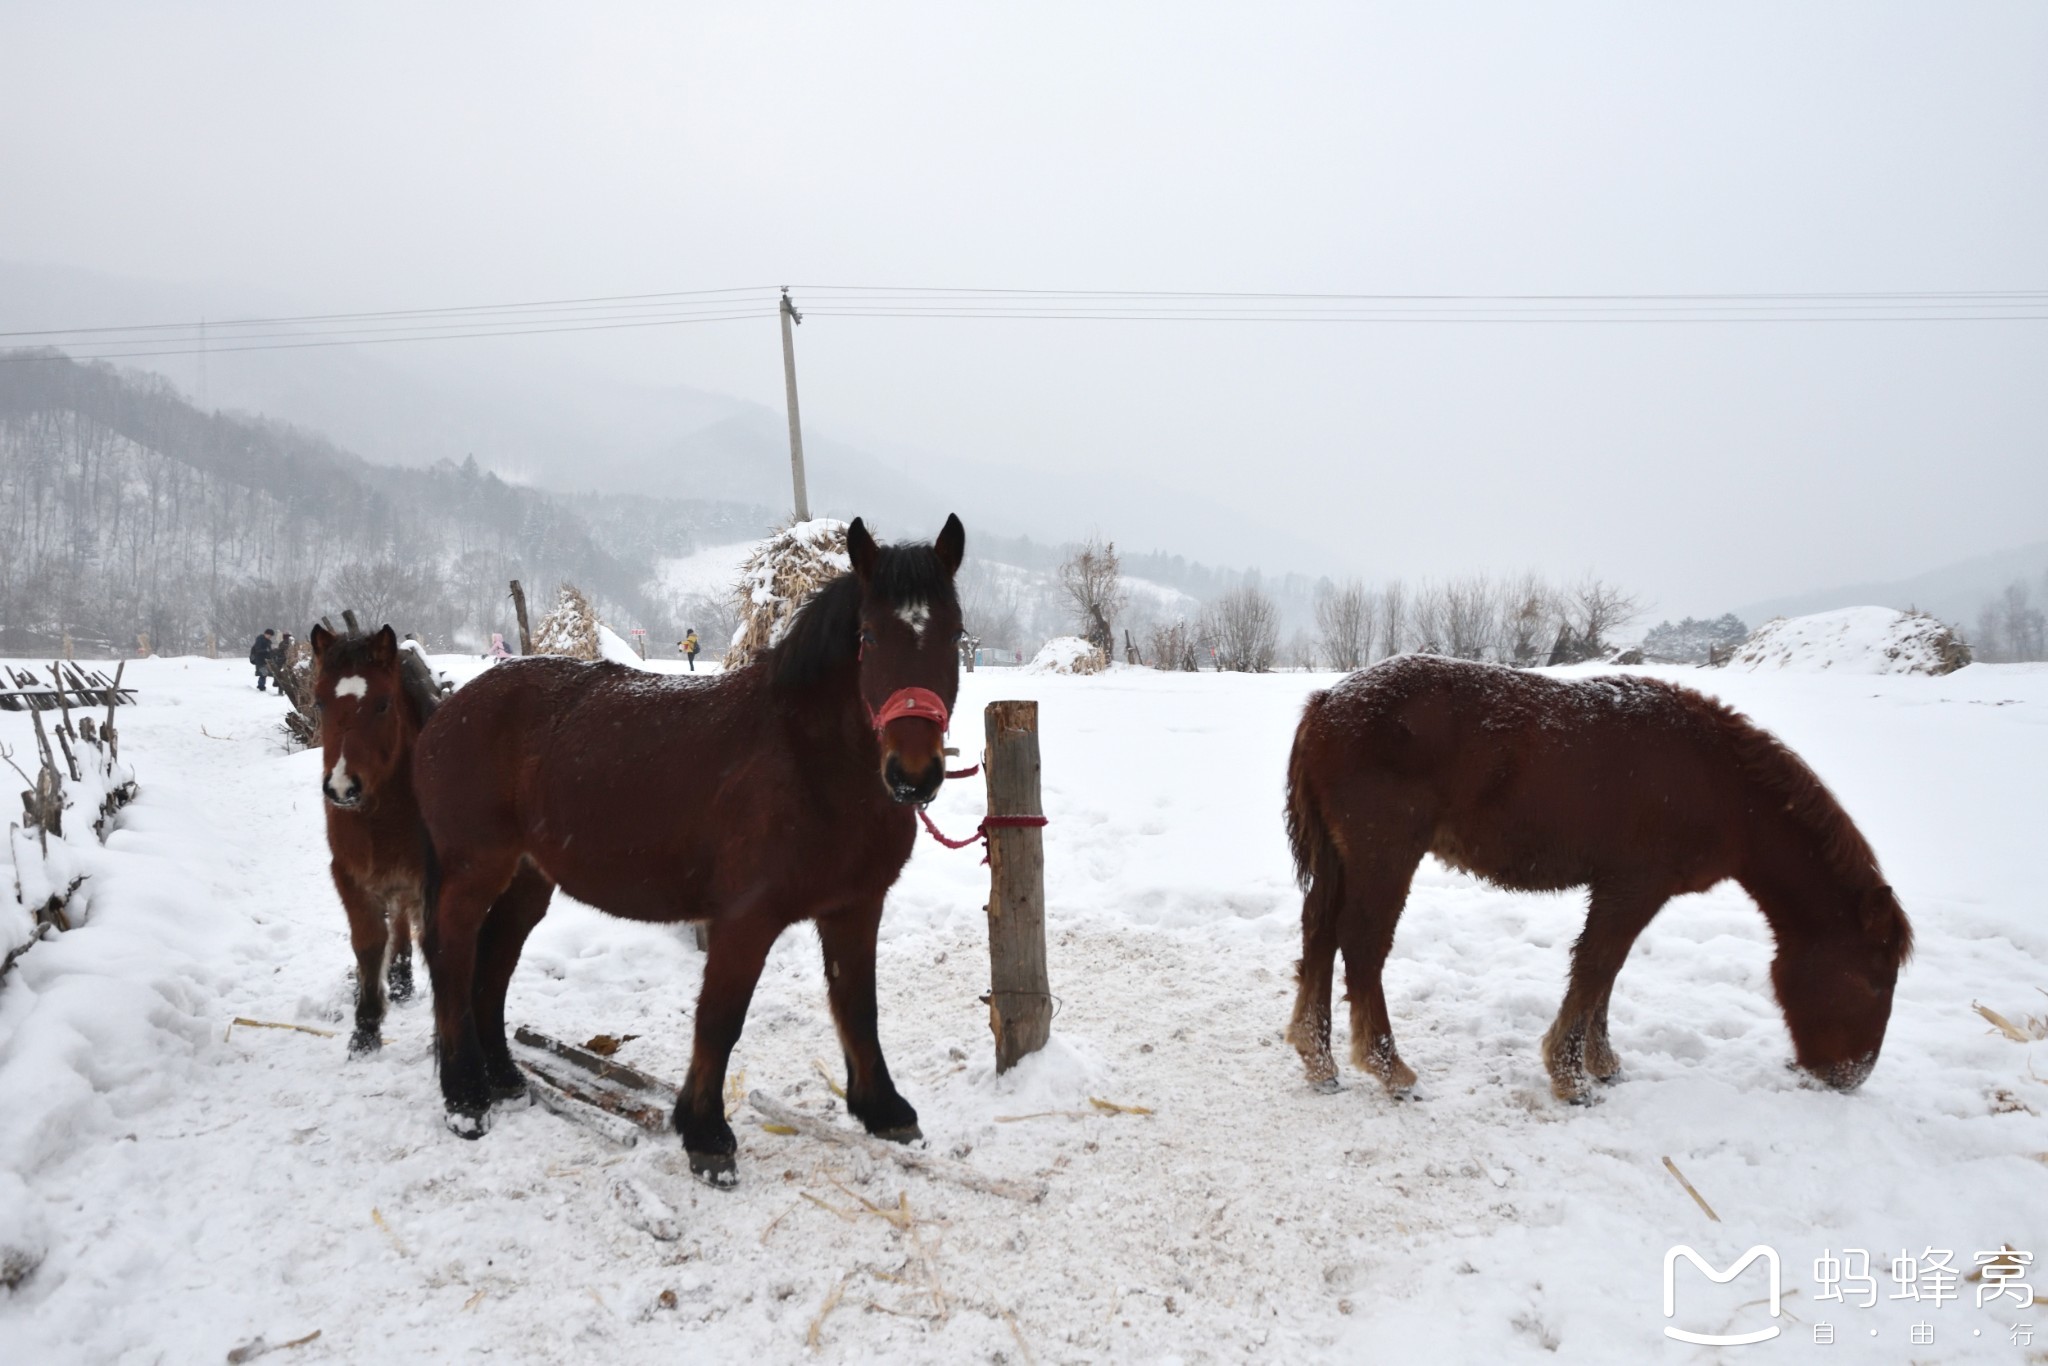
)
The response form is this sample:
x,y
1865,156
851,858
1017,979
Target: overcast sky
x,y
370,156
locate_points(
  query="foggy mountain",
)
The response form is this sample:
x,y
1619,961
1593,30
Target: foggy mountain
x,y
125,509
535,419
1957,593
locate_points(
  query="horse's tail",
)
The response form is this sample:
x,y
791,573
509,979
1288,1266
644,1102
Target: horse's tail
x,y
1317,866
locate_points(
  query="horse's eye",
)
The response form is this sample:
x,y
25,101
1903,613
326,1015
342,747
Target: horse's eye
x,y
383,705
867,637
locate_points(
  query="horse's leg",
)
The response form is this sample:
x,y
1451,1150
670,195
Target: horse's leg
x,y
513,915
1322,909
739,946
848,939
398,976
1374,898
454,923
367,936
1601,1062
1576,1042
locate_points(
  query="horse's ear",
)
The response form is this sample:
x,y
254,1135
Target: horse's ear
x,y
384,646
952,543
319,638
861,549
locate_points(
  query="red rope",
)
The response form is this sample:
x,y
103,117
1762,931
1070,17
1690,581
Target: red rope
x,y
924,816
988,823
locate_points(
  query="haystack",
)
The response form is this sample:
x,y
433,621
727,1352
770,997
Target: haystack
x,y
1068,655
1855,640
570,629
778,576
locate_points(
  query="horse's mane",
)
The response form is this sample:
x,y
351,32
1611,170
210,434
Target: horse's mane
x,y
826,629
1767,762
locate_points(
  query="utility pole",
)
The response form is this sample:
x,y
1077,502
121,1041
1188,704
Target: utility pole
x,y
796,427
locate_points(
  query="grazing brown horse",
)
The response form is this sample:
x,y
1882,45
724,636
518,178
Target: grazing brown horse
x,y
1635,788
781,792
371,710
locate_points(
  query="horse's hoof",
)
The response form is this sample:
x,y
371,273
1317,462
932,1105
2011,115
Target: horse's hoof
x,y
717,1170
1328,1086
511,1088
398,992
902,1133
363,1043
468,1124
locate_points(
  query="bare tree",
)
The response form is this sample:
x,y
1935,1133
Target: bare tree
x,y
1345,616
1301,650
1175,645
1528,610
1092,582
1595,607
1429,618
990,606
1394,627
1247,627
2010,629
384,591
1471,618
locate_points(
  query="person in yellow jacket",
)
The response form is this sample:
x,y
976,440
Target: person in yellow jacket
x,y
688,646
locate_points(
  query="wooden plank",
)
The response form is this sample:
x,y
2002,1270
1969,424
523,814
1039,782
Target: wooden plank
x,y
604,1069
567,1081
1020,996
519,610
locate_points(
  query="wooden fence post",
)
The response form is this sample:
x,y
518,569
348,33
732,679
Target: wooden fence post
x,y
519,607
1020,997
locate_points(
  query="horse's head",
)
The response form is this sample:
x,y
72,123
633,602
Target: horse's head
x,y
366,724
1835,984
909,652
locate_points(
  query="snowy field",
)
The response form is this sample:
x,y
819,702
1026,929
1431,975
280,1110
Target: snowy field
x,y
195,1189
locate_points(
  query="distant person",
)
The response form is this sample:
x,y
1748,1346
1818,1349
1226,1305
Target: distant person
x,y
280,656
259,655
689,647
497,650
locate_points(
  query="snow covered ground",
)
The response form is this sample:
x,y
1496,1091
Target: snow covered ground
x,y
711,571
194,1188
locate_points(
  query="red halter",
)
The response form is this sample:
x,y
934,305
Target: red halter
x,y
922,703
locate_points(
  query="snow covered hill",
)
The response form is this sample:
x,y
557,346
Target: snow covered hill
x,y
192,1186
1853,640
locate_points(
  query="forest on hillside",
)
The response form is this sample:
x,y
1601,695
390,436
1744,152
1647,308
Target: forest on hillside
x,y
127,512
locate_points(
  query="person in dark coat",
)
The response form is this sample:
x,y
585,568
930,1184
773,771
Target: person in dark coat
x,y
260,656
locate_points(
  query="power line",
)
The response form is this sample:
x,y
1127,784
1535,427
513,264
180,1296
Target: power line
x,y
613,312
371,341
542,304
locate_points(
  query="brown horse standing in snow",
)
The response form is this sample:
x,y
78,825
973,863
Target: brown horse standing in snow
x,y
371,710
1635,788
781,792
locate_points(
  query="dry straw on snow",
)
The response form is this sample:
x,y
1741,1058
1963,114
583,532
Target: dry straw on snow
x,y
778,576
571,629
1067,655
